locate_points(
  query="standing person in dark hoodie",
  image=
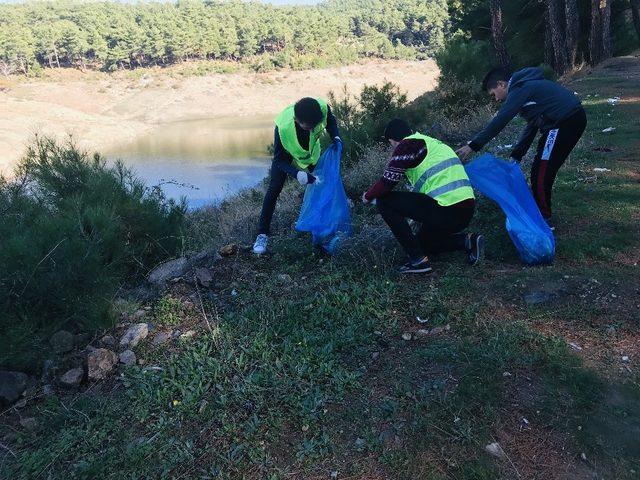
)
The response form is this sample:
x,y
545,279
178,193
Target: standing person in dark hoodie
x,y
547,107
296,151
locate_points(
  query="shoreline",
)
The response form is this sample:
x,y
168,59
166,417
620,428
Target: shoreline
x,y
100,110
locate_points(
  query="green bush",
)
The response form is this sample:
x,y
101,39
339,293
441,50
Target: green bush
x,y
364,118
73,231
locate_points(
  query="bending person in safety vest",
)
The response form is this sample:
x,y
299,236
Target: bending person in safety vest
x,y
296,150
441,198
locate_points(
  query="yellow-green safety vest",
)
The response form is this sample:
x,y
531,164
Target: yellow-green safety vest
x,y
441,174
285,122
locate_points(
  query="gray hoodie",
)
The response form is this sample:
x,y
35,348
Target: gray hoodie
x,y
542,103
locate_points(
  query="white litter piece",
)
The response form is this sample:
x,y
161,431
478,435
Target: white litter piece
x,y
599,169
613,101
609,130
575,346
422,320
234,293
625,358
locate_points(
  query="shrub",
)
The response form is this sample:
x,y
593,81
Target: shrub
x,y
73,231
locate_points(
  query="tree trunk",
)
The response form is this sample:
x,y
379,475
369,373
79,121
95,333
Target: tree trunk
x,y
600,34
635,11
572,30
497,33
555,28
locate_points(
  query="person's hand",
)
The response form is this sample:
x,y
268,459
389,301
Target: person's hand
x,y
464,152
364,198
304,178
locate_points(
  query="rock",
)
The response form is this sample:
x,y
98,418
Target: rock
x,y
228,250
187,335
495,450
12,386
538,297
48,389
29,423
161,338
127,357
108,341
134,334
168,270
359,443
204,277
62,341
375,355
406,336
440,329
72,378
284,278
422,332
100,362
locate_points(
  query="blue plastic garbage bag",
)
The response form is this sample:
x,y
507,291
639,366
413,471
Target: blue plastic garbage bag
x,y
325,210
504,183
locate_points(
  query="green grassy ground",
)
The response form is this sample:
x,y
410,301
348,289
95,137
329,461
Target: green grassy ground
x,y
299,368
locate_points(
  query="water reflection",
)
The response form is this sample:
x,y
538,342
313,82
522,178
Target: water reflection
x,y
203,160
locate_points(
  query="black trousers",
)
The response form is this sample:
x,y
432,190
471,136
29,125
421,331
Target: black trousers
x,y
277,179
554,147
441,229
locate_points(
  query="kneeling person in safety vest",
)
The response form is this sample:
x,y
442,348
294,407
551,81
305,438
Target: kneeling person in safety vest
x,y
441,198
296,150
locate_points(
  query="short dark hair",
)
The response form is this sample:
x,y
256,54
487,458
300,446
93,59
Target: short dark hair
x,y
307,110
397,129
494,76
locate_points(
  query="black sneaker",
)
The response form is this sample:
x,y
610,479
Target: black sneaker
x,y
421,266
475,248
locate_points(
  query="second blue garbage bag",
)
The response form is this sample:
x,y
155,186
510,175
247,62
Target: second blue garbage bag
x,y
325,209
504,183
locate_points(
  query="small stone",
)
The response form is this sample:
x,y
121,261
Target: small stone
x,y
538,297
127,357
583,456
611,330
12,386
375,355
389,438
48,390
204,277
187,335
284,278
134,334
168,270
108,341
228,250
440,329
100,362
72,378
422,332
406,336
495,450
29,423
359,443
161,338
62,341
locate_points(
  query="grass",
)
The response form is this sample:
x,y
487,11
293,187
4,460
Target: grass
x,y
310,376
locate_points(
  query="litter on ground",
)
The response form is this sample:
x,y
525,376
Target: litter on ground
x,y
609,130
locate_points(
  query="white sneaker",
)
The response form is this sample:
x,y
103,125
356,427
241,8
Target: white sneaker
x,y
260,247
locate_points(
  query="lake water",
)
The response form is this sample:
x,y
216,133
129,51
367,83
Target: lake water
x,y
202,160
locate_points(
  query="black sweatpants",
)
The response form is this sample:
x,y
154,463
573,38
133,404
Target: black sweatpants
x,y
554,147
277,178
441,229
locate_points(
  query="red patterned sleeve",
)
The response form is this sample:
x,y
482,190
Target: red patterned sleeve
x,y
407,154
